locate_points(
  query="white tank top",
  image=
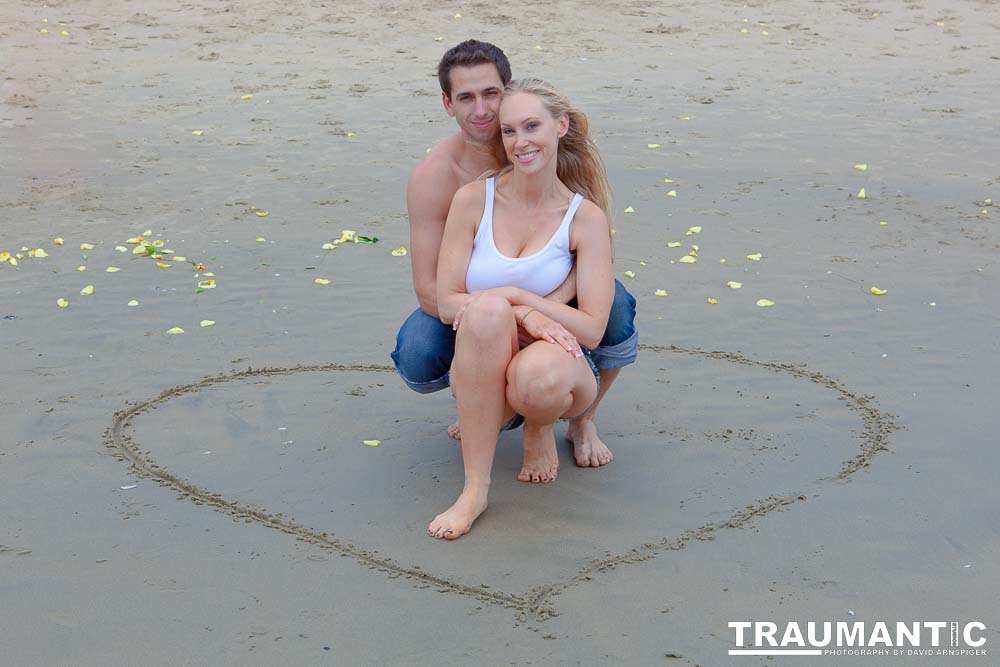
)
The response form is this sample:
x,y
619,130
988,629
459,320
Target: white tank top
x,y
540,272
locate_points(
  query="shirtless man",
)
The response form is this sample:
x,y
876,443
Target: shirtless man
x,y
472,77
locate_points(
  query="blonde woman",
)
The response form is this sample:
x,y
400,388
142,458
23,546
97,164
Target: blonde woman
x,y
509,240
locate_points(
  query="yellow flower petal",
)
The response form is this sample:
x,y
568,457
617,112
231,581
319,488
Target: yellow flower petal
x,y
399,252
373,443
121,248
163,265
44,31
693,230
861,167
180,259
329,246
133,302
322,281
684,117
139,250
642,263
764,303
883,223
174,331
13,261
64,33
652,145
629,210
661,292
630,274
158,243
260,239
674,244
687,259
439,39
134,239
672,193
754,257
62,303
722,261
87,291
40,253
206,284
732,284
695,248
112,269
668,180
712,301
207,323
86,246
197,133
81,268
148,232
57,241
538,47
4,256
877,292
261,214
208,274
861,194
347,235
247,97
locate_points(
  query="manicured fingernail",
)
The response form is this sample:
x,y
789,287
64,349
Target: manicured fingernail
x,y
578,354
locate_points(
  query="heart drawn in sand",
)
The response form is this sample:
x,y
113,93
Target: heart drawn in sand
x,y
873,436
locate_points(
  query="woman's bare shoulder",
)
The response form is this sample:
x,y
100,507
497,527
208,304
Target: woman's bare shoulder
x,y
589,220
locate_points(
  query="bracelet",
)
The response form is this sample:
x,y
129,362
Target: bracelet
x,y
525,316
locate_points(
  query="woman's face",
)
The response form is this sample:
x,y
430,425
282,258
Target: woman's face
x,y
530,133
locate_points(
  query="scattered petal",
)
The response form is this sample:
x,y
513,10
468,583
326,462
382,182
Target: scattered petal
x,y
372,443
133,302
128,487
180,259
347,235
163,265
458,16
693,230
861,194
62,303
754,257
158,243
87,291
261,214
695,248
630,274
674,244
712,301
322,281
684,117
878,292
861,167
134,240
121,248
538,47
672,193
247,97
764,303
86,246
439,39
13,261
44,31
260,239
40,253
652,145
64,33
81,268
687,259
732,284
722,261
629,210
642,263
764,32
399,252
57,241
668,180
883,223
207,323
141,250
206,284
661,292
329,246
197,133
744,31
112,269
174,331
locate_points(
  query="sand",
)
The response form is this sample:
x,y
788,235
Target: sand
x,y
206,498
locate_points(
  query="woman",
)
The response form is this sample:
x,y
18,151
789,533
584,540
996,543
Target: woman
x,y
509,240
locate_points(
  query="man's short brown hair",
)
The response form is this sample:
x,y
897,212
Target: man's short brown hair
x,y
468,53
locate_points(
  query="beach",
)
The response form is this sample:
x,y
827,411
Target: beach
x,y
194,362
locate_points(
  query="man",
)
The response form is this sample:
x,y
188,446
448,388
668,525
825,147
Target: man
x,y
472,77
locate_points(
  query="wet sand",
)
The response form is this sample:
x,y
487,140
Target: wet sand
x,y
824,458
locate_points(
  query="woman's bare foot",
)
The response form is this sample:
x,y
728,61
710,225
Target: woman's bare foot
x,y
588,450
454,432
541,460
457,519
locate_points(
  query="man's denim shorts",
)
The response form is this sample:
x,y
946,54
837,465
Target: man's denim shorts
x,y
425,346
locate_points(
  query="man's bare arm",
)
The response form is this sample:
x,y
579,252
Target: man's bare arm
x,y
428,196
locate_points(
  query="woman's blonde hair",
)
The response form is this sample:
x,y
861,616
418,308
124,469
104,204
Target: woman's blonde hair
x,y
579,165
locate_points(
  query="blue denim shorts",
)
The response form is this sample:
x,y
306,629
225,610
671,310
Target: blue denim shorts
x,y
425,346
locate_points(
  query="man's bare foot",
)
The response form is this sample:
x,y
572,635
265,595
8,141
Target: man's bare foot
x,y
454,431
457,519
541,460
588,450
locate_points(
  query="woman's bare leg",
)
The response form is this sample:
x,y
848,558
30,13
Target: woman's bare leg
x,y
545,383
485,344
588,448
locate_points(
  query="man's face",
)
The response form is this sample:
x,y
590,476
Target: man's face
x,y
475,100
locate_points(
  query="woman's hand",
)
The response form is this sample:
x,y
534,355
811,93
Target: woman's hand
x,y
509,293
541,327
469,298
